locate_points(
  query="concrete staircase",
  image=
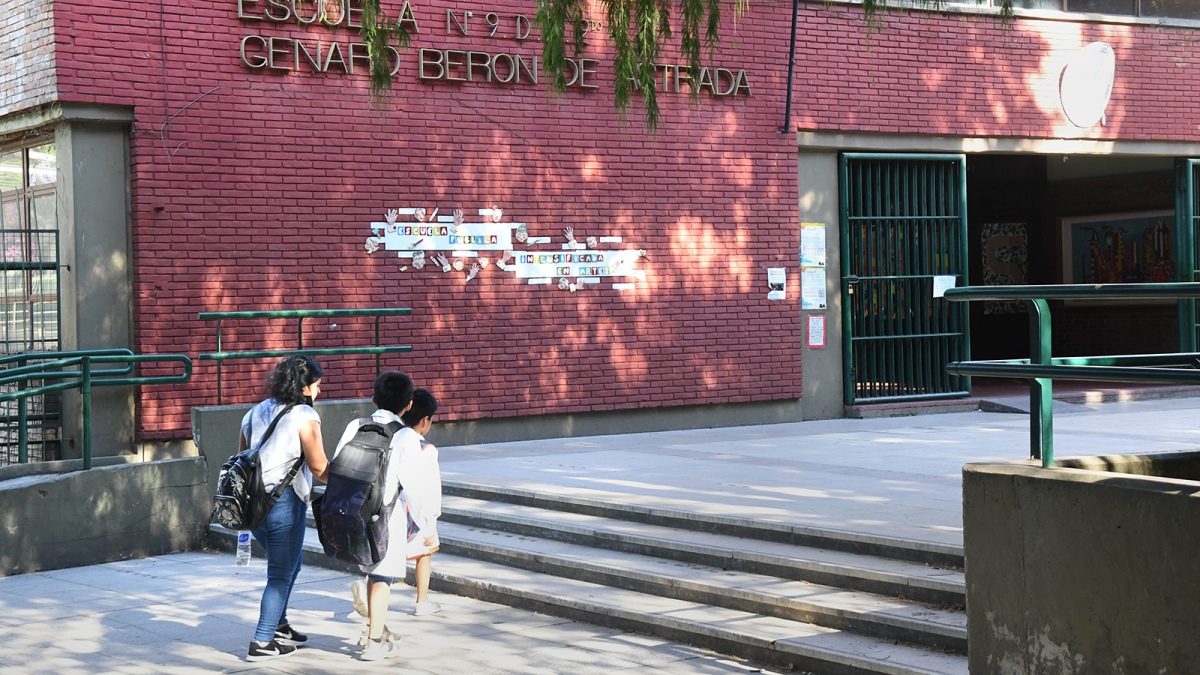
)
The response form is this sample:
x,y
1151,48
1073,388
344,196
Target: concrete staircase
x,y
818,601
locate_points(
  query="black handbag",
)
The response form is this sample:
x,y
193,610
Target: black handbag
x,y
242,501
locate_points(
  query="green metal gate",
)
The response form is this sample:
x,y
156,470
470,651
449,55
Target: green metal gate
x,y
1187,211
903,223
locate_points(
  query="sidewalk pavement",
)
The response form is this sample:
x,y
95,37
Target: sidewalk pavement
x,y
194,613
889,477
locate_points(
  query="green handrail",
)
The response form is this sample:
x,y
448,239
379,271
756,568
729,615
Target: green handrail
x,y
43,358
1041,369
25,357
84,379
300,315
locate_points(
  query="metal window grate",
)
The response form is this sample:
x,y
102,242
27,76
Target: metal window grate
x,y
29,289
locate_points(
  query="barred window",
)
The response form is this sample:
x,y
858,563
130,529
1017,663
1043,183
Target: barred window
x,y
29,286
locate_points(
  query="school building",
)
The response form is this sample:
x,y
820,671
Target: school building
x,y
770,253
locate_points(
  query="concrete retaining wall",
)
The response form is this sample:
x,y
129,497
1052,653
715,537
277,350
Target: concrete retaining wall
x,y
215,428
1078,571
104,514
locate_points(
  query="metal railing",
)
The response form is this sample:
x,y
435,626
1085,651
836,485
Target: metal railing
x,y
378,350
1041,368
38,412
57,367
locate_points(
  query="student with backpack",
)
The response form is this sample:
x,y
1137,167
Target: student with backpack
x,y
422,496
293,386
393,392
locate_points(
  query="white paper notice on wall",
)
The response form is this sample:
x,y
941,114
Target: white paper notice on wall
x,y
812,244
941,282
777,283
812,288
816,331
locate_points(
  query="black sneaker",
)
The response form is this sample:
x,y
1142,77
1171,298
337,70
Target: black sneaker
x,y
261,651
286,635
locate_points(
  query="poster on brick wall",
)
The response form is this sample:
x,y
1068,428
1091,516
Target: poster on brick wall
x,y
425,240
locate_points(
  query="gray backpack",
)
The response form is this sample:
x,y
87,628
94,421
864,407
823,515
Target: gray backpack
x,y
351,516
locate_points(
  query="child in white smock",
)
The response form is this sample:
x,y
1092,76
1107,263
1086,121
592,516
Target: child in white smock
x,y
422,495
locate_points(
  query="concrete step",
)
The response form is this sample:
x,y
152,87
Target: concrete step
x,y
765,639
864,573
933,553
909,408
861,613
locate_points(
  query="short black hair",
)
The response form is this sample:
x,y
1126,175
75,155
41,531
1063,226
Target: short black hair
x,y
393,390
424,405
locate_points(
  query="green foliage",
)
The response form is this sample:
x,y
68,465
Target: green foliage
x,y
378,33
638,28
873,8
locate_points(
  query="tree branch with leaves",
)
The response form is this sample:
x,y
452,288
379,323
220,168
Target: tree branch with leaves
x,y
639,30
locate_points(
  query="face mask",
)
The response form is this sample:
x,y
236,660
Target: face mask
x,y
308,400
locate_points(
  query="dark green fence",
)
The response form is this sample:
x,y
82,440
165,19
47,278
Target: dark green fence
x,y
1187,220
903,225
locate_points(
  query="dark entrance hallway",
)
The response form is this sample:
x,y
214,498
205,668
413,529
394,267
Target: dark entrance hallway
x,y
1022,214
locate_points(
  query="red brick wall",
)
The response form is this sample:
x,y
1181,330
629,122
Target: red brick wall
x,y
253,190
960,74
257,193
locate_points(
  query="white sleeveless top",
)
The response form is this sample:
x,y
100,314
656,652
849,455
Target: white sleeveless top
x,y
283,447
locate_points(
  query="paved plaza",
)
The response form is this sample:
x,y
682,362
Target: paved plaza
x,y
891,477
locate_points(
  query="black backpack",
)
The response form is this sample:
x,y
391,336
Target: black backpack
x,y
351,516
242,502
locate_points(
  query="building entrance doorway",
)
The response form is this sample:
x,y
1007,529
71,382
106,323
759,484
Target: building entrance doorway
x,y
1058,219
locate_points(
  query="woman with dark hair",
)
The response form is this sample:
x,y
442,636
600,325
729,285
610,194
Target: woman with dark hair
x,y
292,388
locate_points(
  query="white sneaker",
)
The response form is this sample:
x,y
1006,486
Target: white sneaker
x,y
378,650
387,635
427,607
358,591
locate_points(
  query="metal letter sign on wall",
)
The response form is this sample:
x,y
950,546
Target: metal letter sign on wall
x,y
904,221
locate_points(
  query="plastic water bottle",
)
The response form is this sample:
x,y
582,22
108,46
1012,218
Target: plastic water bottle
x,y
243,548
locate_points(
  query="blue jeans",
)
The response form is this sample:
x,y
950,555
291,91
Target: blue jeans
x,y
282,535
